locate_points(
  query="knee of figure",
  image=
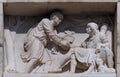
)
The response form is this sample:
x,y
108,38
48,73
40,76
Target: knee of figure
x,y
33,61
74,62
73,56
49,62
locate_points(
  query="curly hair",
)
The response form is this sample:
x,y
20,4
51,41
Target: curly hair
x,y
56,12
92,25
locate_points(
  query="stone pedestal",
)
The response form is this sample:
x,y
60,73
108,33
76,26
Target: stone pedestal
x,y
1,38
118,39
58,75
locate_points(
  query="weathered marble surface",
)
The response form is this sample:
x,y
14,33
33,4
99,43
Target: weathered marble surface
x,y
58,75
78,25
21,36
1,38
34,9
118,40
60,0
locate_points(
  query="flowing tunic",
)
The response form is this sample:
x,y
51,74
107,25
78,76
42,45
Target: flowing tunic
x,y
35,42
86,54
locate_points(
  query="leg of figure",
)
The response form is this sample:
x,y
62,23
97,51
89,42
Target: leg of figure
x,y
30,65
57,65
36,50
109,58
10,52
73,64
47,67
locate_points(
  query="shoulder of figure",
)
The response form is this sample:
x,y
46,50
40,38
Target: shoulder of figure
x,y
102,34
45,20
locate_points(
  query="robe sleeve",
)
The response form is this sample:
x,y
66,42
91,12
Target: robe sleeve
x,y
49,30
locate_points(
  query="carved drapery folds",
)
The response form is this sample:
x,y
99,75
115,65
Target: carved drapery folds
x,y
57,45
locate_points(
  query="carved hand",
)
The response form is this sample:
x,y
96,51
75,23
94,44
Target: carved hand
x,y
65,44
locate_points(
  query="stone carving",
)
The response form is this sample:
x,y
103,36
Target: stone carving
x,y
52,48
86,53
105,47
9,43
103,68
11,67
98,42
36,41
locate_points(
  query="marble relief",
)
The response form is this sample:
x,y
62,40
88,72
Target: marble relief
x,y
55,46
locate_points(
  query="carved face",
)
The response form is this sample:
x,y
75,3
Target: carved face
x,y
56,20
89,30
92,28
104,28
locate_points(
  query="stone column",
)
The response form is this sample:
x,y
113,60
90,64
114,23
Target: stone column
x,y
1,38
118,39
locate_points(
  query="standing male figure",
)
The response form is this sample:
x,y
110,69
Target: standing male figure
x,y
36,41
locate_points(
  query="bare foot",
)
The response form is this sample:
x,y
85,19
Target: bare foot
x,y
10,69
55,71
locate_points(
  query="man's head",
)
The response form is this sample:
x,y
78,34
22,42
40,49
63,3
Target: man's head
x,y
56,16
91,27
104,27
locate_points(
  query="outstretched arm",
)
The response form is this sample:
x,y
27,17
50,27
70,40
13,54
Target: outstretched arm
x,y
49,30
